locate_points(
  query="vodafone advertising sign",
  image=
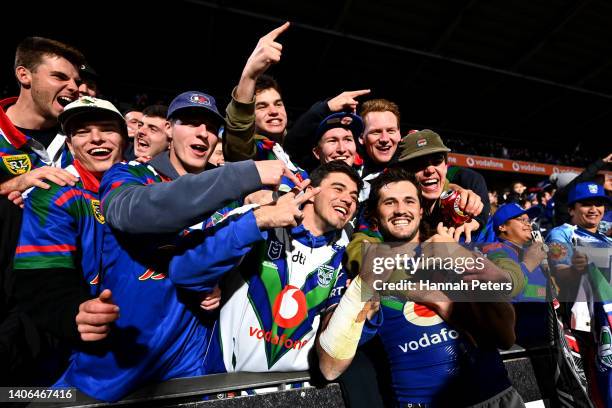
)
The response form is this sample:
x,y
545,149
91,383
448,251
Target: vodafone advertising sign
x,y
514,166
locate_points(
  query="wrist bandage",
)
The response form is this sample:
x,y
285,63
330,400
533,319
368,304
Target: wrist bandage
x,y
341,336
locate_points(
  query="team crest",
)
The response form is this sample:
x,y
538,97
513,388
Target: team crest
x,y
17,164
199,99
275,250
593,188
325,274
557,251
421,142
605,347
95,206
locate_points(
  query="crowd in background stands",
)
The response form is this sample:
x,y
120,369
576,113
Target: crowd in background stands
x,y
488,145
517,150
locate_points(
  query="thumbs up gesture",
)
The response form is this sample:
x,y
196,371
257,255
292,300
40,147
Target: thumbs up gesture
x,y
95,317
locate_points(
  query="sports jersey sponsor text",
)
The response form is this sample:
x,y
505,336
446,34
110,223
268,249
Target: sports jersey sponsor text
x,y
274,339
427,340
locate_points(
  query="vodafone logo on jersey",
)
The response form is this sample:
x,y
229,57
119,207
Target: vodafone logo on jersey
x,y
289,308
420,315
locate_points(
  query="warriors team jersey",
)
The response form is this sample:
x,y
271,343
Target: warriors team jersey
x,y
508,256
276,298
158,335
268,149
430,360
62,227
20,154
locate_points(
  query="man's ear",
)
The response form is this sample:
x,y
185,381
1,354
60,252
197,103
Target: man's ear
x,y
168,130
311,199
24,76
361,140
69,143
316,151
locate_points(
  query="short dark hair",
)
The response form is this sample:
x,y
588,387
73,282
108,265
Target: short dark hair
x,y
31,51
391,175
266,82
156,111
335,166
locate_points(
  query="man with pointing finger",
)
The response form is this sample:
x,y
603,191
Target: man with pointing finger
x,y
153,215
277,295
256,116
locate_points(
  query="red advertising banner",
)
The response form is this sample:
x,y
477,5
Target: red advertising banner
x,y
515,166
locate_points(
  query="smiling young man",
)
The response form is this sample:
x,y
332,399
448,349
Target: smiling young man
x,y
256,116
58,256
153,134
31,148
279,292
336,136
424,153
431,360
580,261
587,202
151,211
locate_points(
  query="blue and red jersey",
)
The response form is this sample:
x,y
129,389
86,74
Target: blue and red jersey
x,y
158,335
431,361
62,227
17,150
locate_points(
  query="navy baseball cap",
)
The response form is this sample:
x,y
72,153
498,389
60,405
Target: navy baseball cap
x,y
197,100
344,120
587,191
512,210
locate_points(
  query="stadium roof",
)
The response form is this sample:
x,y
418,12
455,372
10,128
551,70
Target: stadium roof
x,y
533,70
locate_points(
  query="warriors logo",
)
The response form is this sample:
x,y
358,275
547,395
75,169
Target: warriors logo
x,y
95,206
17,164
605,347
289,308
325,274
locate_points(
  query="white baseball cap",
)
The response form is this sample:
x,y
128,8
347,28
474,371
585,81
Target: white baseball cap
x,y
89,104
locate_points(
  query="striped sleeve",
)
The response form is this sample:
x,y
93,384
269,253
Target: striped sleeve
x,y
49,231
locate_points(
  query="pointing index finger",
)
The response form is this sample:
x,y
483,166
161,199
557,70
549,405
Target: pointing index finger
x,y
306,196
359,92
277,31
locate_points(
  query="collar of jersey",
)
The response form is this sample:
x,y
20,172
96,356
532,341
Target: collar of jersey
x,y
302,235
511,245
90,182
17,138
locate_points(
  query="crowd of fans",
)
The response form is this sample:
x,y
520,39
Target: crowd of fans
x,y
516,150
172,241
